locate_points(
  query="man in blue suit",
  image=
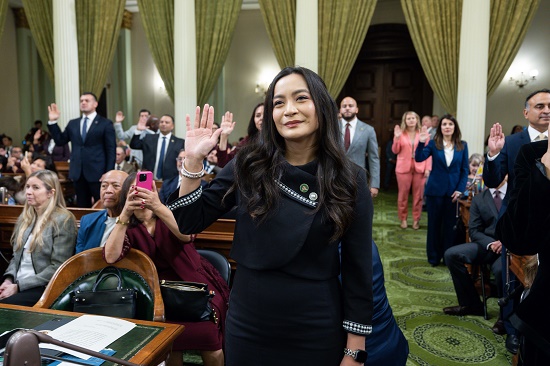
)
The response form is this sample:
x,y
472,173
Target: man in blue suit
x,y
93,151
96,227
500,161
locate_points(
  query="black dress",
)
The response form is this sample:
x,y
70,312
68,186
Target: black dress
x,y
287,306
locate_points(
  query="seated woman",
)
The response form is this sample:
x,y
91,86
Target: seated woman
x,y
44,237
146,224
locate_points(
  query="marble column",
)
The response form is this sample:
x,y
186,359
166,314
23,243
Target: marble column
x,y
67,92
307,34
185,64
472,73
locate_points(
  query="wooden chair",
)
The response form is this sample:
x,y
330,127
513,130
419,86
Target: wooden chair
x,y
92,260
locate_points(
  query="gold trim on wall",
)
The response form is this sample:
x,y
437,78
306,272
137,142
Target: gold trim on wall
x,y
127,20
20,18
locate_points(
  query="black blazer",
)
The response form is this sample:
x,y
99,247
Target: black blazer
x,y
524,230
149,147
91,158
276,243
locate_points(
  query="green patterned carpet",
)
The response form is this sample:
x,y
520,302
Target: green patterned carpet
x,y
418,292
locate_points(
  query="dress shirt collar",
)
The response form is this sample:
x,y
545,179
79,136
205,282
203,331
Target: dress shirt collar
x,y
533,134
168,136
502,190
90,116
352,123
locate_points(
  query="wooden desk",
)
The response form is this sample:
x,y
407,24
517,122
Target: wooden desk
x,y
218,236
147,344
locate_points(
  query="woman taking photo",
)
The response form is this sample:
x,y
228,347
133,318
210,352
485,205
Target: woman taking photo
x,y
407,170
297,198
43,238
146,224
446,184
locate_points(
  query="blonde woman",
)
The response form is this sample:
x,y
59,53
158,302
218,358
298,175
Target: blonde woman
x,y
408,172
44,237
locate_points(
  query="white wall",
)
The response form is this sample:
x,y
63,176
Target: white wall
x,y
250,59
506,104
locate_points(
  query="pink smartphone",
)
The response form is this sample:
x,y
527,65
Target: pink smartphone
x,y
145,180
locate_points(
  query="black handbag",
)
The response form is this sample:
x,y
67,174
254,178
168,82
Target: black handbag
x,y
187,301
117,302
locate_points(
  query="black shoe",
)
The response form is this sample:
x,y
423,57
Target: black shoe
x,y
463,310
498,328
512,343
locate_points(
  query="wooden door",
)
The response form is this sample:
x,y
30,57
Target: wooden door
x,y
386,81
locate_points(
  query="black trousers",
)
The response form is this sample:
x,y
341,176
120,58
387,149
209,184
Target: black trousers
x,y
85,191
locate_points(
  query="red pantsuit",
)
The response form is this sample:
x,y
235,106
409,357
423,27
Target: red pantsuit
x,y
409,174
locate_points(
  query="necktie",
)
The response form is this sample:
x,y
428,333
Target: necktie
x,y
84,128
541,137
118,167
347,137
498,200
161,158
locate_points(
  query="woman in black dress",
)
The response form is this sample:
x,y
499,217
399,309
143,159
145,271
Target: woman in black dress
x,y
297,197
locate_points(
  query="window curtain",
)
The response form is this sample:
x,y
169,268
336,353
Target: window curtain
x,y
3,12
510,20
40,14
343,25
98,27
215,25
280,22
158,21
434,26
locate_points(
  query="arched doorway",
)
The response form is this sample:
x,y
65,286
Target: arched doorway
x,y
387,80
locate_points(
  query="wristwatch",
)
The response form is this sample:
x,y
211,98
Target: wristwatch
x,y
358,355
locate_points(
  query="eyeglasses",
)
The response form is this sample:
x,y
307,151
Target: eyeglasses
x,y
179,160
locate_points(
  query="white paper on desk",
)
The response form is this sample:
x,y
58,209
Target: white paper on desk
x,y
93,332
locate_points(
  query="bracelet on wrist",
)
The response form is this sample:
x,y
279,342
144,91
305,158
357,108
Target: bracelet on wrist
x,y
120,222
187,174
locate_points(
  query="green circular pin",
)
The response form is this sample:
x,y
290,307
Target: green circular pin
x,y
304,188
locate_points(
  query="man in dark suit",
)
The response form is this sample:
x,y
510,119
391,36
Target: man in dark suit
x,y
160,150
93,147
360,140
524,230
483,249
500,162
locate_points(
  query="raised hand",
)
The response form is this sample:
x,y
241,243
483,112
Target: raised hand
x,y
199,139
496,139
119,117
53,112
397,131
227,125
424,134
36,137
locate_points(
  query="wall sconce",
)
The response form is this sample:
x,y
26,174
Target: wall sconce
x,y
261,88
523,79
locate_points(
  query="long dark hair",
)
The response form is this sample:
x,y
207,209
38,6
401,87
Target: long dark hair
x,y
261,162
456,138
252,130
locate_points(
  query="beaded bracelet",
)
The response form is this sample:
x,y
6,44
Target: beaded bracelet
x,y
187,174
